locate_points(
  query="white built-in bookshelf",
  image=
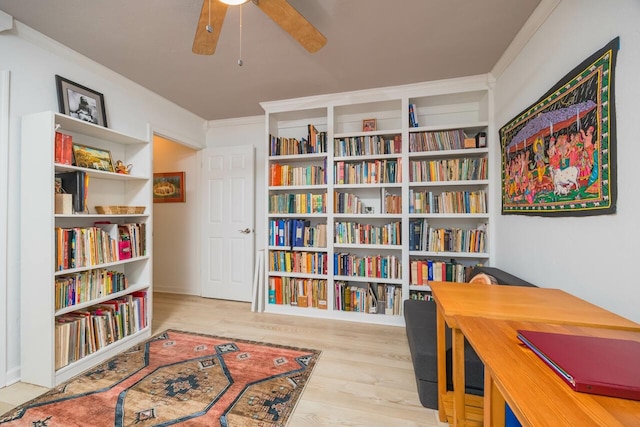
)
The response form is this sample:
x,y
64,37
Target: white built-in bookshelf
x,y
400,205
82,299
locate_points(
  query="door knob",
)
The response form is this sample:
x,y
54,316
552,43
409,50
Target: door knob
x,y
245,231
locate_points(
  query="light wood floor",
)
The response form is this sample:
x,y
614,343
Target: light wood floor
x,y
364,376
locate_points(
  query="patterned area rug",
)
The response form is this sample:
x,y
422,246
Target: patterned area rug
x,y
178,378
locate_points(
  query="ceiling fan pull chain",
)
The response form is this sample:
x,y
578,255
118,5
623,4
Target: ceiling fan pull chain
x,y
240,54
209,28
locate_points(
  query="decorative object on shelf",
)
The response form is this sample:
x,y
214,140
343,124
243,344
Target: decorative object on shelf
x,y
186,372
169,187
63,201
92,158
80,102
559,155
120,167
368,125
120,210
481,140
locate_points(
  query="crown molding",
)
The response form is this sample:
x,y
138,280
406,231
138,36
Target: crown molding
x,y
6,21
236,121
535,21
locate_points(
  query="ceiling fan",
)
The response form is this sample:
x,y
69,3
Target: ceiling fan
x,y
280,11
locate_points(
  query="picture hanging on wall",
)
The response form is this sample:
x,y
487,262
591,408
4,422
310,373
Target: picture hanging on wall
x,y
169,187
559,155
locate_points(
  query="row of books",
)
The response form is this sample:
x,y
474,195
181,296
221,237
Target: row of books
x,y
469,202
367,298
85,286
437,140
298,262
379,266
367,234
448,170
103,243
423,237
297,233
368,172
425,270
298,292
83,332
315,142
298,203
81,247
392,203
366,146
349,203
63,149
296,175
421,295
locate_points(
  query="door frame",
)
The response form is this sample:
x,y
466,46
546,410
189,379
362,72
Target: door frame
x,y
4,189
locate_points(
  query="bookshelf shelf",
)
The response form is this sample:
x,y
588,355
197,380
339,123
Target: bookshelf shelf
x,y
102,265
473,255
61,256
409,120
75,307
100,174
71,370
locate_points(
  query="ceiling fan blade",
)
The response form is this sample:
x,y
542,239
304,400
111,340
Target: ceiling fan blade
x,y
293,23
205,42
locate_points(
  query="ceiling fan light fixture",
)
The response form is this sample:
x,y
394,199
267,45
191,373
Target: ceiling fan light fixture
x,y
234,2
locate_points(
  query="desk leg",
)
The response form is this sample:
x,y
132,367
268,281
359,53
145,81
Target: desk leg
x,y
457,350
442,364
494,404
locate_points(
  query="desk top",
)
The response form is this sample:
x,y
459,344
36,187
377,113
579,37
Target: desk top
x,y
536,394
522,303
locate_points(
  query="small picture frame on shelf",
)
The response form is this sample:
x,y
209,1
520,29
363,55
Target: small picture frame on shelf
x,y
169,187
368,125
80,102
481,140
92,158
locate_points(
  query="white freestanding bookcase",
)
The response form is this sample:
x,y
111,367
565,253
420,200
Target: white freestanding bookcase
x,y
38,238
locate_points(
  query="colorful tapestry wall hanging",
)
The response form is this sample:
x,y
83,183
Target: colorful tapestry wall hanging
x,y
559,155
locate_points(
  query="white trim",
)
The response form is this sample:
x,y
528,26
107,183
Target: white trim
x,y
394,93
4,206
237,121
537,18
6,21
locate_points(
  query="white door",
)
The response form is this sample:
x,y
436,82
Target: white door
x,y
228,223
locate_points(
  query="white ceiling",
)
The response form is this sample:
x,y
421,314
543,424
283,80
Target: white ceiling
x,y
370,43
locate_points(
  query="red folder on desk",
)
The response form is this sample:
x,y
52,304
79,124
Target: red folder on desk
x,y
605,366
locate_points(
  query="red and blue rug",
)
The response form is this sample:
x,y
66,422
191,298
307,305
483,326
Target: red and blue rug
x,y
178,378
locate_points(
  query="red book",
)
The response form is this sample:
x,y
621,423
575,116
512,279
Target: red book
x,y
595,365
63,148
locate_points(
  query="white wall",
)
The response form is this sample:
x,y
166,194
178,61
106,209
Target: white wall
x,y
591,257
175,225
33,61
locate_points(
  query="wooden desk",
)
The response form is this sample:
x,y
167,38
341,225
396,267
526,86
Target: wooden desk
x,y
535,393
509,303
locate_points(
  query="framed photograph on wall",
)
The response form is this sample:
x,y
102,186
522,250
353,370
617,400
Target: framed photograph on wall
x,y
169,187
92,158
80,102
